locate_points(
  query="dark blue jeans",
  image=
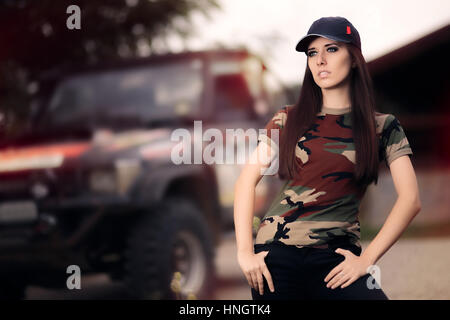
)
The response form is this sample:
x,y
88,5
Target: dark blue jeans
x,y
299,273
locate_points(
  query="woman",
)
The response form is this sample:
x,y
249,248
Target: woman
x,y
330,146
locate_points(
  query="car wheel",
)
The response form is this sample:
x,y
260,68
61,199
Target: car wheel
x,y
171,242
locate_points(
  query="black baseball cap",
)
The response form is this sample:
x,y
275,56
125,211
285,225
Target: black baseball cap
x,y
333,28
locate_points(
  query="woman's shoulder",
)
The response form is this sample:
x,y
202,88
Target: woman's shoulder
x,y
280,116
393,137
383,120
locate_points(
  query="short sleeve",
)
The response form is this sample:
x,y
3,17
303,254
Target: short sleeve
x,y
394,140
272,131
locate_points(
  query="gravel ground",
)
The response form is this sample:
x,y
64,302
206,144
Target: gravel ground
x,y
417,269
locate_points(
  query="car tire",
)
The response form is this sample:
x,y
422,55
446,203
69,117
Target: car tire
x,y
173,237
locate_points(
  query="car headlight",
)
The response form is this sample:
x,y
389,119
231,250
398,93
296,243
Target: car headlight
x,y
104,181
127,171
116,181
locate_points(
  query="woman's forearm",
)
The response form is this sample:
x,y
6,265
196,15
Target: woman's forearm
x,y
402,213
244,198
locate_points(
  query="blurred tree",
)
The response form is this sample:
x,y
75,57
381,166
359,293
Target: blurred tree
x,y
35,38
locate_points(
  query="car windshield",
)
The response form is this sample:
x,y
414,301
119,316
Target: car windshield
x,y
144,94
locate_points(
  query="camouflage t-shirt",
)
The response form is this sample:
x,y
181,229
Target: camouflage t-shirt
x,y
321,208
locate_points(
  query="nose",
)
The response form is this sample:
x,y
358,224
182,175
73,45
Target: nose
x,y
320,58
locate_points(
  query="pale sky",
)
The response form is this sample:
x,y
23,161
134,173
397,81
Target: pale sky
x,y
272,28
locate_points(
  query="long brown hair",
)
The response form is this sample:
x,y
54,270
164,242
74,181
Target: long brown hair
x,y
303,114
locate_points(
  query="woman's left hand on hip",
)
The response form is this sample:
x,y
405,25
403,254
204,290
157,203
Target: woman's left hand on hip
x,y
348,271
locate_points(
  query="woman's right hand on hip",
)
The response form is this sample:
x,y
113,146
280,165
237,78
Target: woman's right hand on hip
x,y
254,268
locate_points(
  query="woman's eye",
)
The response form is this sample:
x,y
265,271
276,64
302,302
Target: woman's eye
x,y
333,48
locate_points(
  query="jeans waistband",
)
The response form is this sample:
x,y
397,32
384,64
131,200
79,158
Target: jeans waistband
x,y
332,247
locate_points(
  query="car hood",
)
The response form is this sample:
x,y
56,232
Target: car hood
x,y
103,148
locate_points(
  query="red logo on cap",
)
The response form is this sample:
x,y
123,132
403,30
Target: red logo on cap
x,y
348,30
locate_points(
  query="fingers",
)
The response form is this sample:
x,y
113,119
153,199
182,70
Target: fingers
x,y
342,252
262,270
249,279
349,282
255,280
338,280
260,283
333,272
256,273
268,277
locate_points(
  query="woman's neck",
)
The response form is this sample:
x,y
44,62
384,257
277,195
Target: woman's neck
x,y
336,98
335,111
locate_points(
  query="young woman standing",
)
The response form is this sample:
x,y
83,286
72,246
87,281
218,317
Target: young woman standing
x,y
331,143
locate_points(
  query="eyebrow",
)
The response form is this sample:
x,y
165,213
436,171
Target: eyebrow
x,y
328,44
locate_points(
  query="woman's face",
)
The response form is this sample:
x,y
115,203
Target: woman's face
x,y
330,56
